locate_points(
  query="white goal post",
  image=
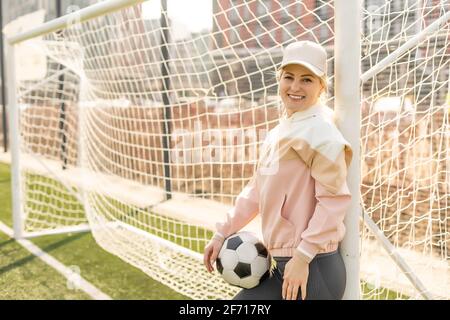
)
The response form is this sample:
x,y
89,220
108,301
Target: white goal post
x,y
145,137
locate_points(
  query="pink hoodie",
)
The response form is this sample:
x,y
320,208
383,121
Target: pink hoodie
x,y
299,187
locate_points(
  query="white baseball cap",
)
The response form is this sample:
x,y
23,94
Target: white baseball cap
x,y
308,54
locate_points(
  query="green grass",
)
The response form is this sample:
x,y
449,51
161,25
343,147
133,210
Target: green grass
x,y
106,271
23,276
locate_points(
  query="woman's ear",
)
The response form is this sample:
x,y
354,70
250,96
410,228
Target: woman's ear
x,y
278,74
322,85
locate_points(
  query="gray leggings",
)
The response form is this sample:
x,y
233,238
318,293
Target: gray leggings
x,y
326,280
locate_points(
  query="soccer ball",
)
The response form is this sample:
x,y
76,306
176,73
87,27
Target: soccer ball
x,y
243,260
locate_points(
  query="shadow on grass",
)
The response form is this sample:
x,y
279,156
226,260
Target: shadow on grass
x,y
31,257
5,243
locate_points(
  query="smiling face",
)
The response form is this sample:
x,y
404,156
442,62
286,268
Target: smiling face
x,y
299,88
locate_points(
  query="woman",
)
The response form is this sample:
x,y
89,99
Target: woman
x,y
299,188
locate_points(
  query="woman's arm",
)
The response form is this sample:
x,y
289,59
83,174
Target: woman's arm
x,y
326,225
245,209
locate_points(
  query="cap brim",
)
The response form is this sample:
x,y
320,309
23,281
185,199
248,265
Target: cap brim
x,y
315,70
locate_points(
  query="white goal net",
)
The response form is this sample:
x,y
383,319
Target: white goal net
x,y
147,136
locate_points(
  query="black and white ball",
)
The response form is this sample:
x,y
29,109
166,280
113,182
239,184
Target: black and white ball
x,y
243,260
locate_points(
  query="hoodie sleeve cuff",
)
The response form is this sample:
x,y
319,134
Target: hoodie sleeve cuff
x,y
307,250
218,236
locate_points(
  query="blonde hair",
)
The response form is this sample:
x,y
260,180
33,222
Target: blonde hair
x,y
323,95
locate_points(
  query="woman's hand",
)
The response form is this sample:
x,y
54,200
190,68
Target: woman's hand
x,y
295,276
211,252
